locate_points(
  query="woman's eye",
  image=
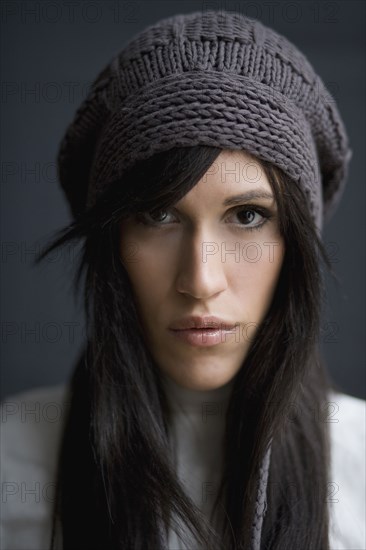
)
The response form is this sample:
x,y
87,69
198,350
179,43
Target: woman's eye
x,y
251,218
154,217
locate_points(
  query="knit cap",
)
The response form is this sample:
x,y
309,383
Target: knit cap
x,y
214,78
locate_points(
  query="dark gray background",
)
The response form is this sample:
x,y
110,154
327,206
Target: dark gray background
x,y
51,51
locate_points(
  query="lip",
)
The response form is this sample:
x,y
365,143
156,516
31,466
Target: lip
x,y
201,322
201,337
201,331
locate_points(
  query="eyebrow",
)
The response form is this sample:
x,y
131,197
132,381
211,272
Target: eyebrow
x,y
258,193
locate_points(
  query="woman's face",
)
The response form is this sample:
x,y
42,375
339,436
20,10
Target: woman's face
x,y
203,257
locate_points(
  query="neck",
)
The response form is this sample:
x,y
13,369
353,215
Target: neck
x,y
196,401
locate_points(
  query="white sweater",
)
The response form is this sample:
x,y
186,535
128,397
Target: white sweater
x,y
31,424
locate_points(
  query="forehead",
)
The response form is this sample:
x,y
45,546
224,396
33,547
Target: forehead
x,y
233,171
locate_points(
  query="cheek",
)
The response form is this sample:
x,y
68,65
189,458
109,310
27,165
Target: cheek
x,y
138,251
255,277
147,270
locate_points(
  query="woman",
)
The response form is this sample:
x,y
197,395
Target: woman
x,y
200,171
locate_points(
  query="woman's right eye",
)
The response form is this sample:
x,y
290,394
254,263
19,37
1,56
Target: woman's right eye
x,y
154,215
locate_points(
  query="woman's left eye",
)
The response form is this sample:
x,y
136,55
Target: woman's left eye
x,y
248,214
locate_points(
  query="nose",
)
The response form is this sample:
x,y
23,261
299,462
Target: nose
x,y
201,274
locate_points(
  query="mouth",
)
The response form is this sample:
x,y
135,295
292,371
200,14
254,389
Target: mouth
x,y
199,322
201,337
202,329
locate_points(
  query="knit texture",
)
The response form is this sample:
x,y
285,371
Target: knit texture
x,y
214,78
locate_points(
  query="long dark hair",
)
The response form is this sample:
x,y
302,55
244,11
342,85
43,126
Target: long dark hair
x,y
116,485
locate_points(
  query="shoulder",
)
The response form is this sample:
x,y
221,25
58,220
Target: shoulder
x,y
347,484
31,423
30,437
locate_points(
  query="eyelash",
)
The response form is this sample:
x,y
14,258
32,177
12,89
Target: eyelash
x,y
264,212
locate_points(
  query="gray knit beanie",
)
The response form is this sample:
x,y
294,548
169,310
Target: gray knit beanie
x,y
214,78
